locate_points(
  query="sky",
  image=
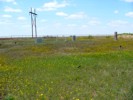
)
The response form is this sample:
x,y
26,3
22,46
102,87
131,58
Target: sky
x,y
66,17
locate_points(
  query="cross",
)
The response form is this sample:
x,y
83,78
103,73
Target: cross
x,y
33,22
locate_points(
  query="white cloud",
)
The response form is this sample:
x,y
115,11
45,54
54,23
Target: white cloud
x,y
116,11
72,25
84,26
117,23
54,5
6,16
129,14
10,1
94,22
61,14
6,22
79,15
9,9
21,18
128,0
57,25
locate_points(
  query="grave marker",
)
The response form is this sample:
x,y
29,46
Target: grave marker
x,y
38,40
74,38
115,36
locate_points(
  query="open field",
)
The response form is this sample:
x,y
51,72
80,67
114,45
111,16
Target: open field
x,y
91,68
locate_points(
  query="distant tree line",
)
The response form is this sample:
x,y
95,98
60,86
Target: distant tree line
x,y
126,34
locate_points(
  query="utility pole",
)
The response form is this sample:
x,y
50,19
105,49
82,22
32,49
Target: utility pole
x,y
33,22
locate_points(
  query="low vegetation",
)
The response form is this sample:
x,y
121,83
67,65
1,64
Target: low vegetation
x,y
90,68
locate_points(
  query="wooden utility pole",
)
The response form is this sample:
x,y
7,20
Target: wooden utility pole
x,y
33,22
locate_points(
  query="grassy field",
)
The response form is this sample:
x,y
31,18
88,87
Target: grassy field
x,y
91,68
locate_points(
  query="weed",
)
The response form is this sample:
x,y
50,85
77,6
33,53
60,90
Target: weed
x,y
93,69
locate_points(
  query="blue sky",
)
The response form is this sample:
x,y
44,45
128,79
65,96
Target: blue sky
x,y
66,17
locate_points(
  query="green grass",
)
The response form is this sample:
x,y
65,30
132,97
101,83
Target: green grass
x,y
88,69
